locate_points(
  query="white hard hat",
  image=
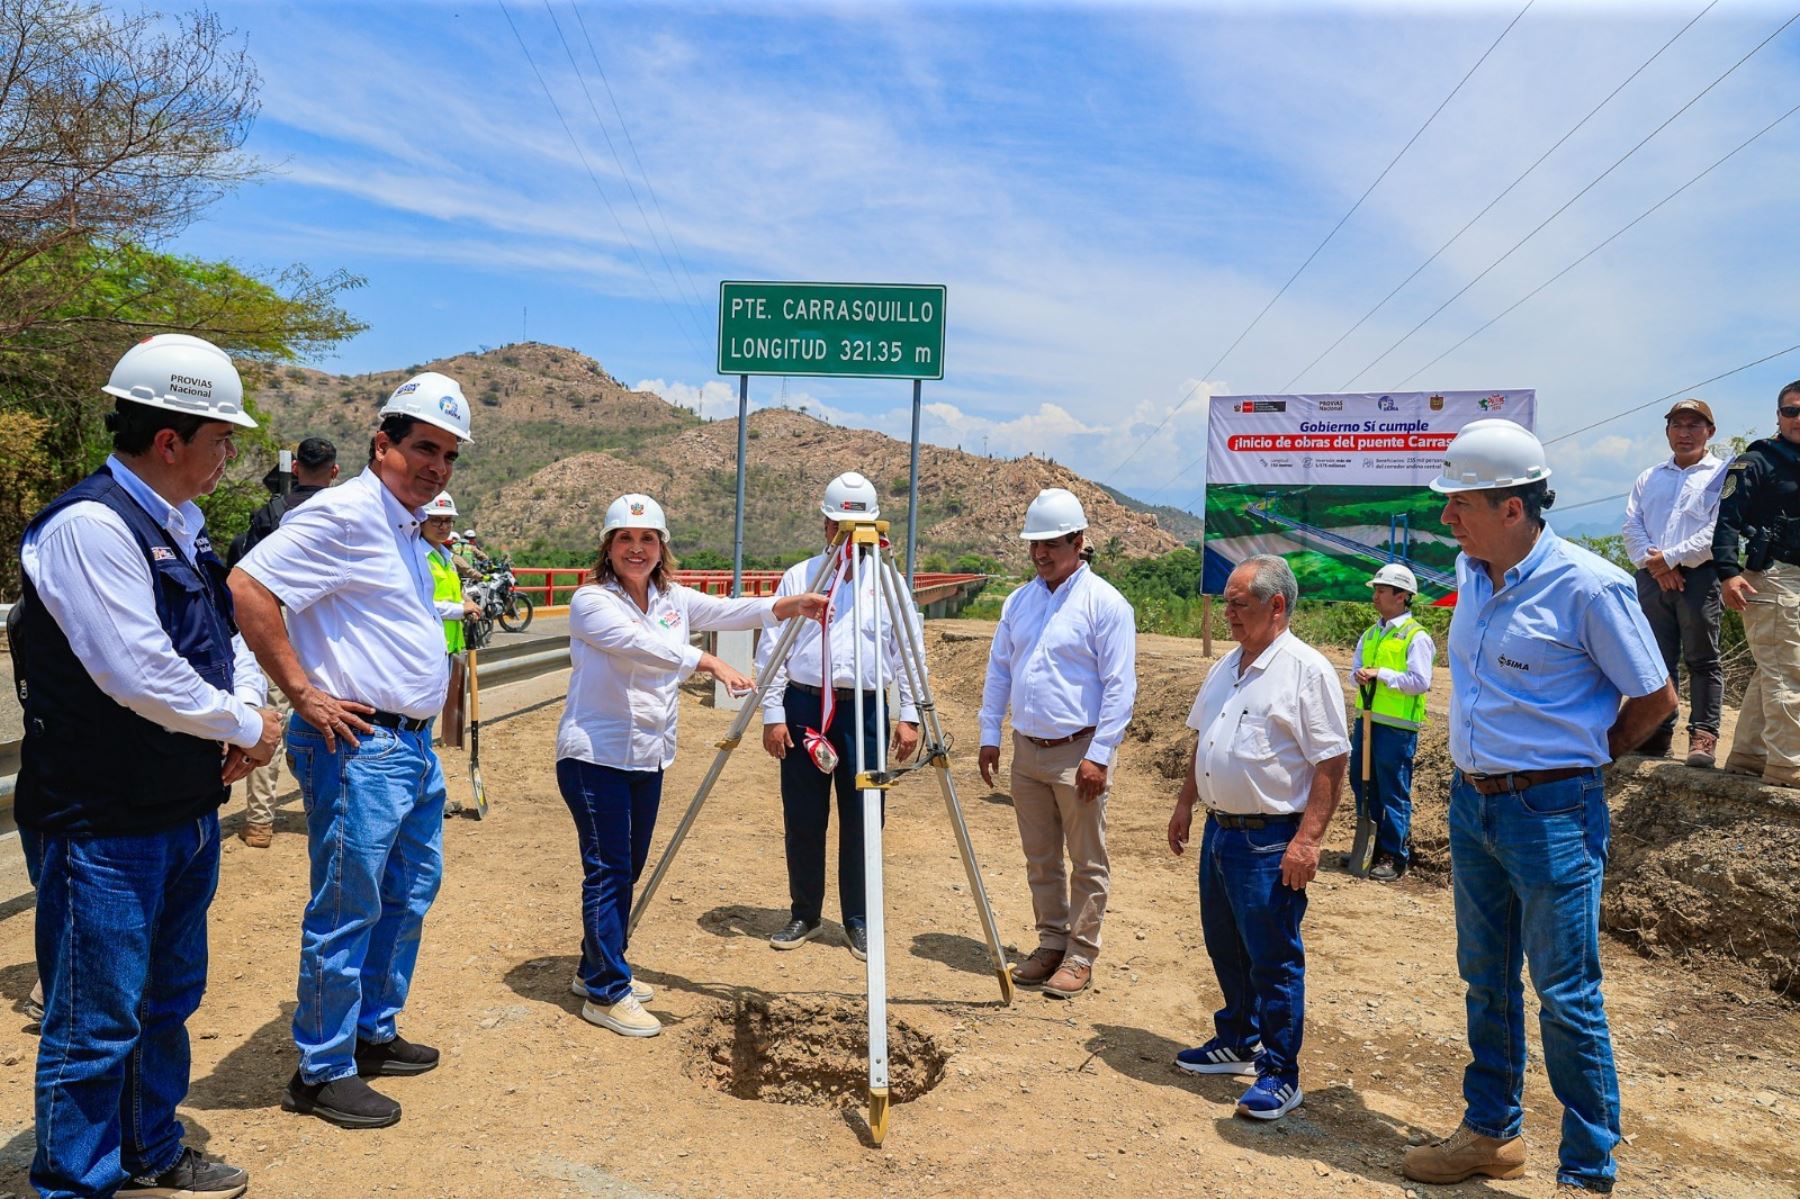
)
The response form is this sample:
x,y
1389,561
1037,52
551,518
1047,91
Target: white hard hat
x,y
635,512
443,505
1398,576
1054,513
181,373
850,496
1491,453
433,398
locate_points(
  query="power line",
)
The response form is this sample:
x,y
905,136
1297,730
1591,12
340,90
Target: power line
x,y
1561,508
1318,249
1690,389
1626,228
699,325
1620,161
595,180
1507,191
630,142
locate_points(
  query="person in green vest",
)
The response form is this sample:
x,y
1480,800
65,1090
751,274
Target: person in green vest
x,y
447,593
1392,669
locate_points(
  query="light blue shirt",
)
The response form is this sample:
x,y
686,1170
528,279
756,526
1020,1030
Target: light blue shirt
x,y
1537,669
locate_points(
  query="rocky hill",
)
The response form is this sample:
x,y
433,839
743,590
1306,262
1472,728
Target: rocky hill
x,y
557,438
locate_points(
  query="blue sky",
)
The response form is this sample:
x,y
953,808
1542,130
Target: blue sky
x,y
1110,193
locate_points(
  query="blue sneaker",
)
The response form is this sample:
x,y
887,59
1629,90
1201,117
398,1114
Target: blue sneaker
x,y
1216,1057
1270,1098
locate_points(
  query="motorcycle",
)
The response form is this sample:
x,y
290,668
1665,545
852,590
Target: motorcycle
x,y
498,595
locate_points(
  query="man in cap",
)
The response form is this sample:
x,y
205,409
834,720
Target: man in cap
x,y
1668,536
794,724
142,707
1554,672
1268,768
362,660
1757,548
315,469
1064,660
1392,672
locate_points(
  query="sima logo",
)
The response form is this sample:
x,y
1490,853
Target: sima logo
x,y
1506,661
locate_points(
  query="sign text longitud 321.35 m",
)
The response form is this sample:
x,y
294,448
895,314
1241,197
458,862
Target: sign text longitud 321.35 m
x,y
868,330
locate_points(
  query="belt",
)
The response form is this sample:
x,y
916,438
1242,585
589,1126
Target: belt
x,y
839,692
1519,780
393,720
1232,820
1053,742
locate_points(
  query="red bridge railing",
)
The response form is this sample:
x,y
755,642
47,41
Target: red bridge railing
x,y
553,585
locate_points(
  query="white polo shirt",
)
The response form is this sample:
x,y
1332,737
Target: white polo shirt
x,y
350,566
1263,735
629,665
803,661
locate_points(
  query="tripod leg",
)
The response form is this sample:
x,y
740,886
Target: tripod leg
x,y
913,660
871,800
751,707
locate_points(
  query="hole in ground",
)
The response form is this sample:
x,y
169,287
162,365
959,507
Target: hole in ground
x,y
806,1051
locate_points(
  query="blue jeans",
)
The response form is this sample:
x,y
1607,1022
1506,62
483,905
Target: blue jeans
x,y
121,950
1251,923
1527,869
615,815
806,807
375,836
1390,771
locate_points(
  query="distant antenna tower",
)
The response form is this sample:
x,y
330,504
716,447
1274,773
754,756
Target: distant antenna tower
x,y
524,323
782,397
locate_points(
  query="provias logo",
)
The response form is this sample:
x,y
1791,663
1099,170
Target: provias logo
x,y
188,385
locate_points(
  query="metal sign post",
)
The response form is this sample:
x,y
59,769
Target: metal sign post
x,y
912,496
737,536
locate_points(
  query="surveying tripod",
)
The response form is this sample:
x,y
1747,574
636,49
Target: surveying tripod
x,y
859,545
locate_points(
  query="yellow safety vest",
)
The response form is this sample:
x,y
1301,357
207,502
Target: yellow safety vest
x,y
447,585
1385,649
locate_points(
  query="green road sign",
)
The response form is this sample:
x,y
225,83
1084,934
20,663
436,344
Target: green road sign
x,y
858,330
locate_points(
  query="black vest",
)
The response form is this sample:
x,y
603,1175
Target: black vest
x,y
89,764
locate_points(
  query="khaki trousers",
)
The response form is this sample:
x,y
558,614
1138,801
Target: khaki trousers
x,y
1768,728
261,784
1069,901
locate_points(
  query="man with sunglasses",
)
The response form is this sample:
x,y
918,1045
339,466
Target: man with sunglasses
x,y
1757,547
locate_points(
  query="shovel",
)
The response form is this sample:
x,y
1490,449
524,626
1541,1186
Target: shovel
x,y
1362,851
475,784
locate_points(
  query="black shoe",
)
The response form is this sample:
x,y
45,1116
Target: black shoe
x,y
1658,744
346,1102
857,933
394,1058
191,1177
795,934
1385,869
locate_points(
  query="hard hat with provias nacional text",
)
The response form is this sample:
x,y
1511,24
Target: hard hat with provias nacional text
x,y
443,505
433,398
635,512
1491,453
1396,576
1054,513
178,372
850,497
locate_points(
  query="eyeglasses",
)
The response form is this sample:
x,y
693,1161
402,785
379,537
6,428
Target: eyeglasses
x,y
1791,411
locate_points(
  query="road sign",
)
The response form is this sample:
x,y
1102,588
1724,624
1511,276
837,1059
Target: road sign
x,y
853,330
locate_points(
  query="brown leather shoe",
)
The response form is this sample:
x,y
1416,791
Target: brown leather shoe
x,y
1039,966
1781,776
257,836
1464,1154
1070,980
1703,748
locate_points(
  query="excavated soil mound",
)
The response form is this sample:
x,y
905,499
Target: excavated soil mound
x,y
783,1050
1705,866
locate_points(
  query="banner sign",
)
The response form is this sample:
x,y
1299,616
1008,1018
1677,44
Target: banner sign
x,y
1339,484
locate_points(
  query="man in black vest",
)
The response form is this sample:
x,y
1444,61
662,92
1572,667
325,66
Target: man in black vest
x,y
142,707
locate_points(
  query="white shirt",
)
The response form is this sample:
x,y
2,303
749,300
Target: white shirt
x,y
629,665
1263,735
350,566
1673,509
1063,660
92,577
802,665
1416,679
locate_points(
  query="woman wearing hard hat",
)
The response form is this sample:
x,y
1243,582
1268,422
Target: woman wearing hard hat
x,y
628,641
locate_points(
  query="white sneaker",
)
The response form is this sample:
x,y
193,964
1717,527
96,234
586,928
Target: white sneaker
x,y
642,992
626,1017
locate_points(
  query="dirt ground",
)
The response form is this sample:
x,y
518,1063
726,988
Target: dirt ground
x,y
755,1087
